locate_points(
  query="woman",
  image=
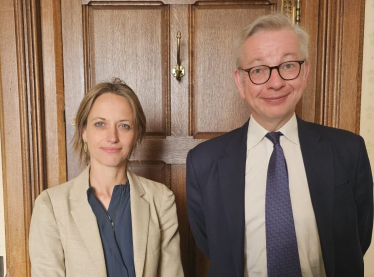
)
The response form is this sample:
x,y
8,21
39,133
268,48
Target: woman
x,y
107,221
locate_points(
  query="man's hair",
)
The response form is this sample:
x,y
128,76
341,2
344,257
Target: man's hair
x,y
275,21
116,87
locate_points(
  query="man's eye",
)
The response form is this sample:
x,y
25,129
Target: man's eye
x,y
288,66
257,71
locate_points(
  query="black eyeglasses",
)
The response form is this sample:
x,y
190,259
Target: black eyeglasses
x,y
261,74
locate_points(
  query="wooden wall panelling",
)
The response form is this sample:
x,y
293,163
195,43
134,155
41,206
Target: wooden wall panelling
x,y
26,114
22,129
338,62
138,36
53,88
73,64
13,171
157,171
179,95
216,106
309,106
352,30
179,90
333,63
178,185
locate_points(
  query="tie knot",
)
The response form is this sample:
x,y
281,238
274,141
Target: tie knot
x,y
274,137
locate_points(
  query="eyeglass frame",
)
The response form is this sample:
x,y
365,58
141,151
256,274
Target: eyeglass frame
x,y
271,70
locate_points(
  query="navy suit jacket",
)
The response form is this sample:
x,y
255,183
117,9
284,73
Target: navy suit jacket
x,y
340,184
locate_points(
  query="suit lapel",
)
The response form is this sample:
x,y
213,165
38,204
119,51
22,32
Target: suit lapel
x,y
140,222
319,167
232,184
86,221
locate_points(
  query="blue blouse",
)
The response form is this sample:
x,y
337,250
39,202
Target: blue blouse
x,y
115,231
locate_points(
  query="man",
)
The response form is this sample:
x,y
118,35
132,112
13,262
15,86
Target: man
x,y
280,196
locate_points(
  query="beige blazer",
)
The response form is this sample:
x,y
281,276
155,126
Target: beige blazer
x,y
65,238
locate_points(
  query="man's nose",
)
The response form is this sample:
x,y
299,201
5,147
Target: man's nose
x,y
275,81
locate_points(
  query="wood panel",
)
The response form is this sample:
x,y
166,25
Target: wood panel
x,y
217,106
337,54
309,108
138,54
352,36
19,141
53,94
26,143
180,90
73,64
156,171
178,185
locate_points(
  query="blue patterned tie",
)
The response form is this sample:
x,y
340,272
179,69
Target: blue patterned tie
x,y
281,244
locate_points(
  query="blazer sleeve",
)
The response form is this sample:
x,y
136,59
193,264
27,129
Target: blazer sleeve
x,y
45,247
195,207
170,256
364,198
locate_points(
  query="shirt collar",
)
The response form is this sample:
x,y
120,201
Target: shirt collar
x,y
289,130
257,132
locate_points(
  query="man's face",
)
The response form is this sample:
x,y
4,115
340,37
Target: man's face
x,y
273,103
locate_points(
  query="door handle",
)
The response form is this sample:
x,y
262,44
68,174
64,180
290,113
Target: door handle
x,y
178,70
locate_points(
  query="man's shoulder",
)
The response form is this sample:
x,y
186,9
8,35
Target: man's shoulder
x,y
326,133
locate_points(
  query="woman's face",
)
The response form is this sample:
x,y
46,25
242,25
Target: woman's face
x,y
110,131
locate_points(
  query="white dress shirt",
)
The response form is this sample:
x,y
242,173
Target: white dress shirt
x,y
259,150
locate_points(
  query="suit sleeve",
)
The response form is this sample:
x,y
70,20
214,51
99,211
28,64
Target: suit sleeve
x,y
364,198
45,248
195,207
170,259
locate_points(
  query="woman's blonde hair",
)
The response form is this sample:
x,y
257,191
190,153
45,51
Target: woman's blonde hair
x,y
116,87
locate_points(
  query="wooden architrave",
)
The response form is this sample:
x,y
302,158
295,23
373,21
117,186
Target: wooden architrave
x,y
23,151
336,57
26,112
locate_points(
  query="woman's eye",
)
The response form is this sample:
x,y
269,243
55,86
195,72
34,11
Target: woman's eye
x,y
125,126
99,124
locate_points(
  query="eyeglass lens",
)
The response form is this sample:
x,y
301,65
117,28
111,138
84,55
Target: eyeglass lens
x,y
287,71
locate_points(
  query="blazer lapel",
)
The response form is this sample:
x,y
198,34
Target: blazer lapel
x,y
140,222
319,167
232,184
86,221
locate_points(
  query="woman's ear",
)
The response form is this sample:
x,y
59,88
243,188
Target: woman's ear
x,y
84,137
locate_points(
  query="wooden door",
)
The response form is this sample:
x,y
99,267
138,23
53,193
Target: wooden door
x,y
137,42
53,51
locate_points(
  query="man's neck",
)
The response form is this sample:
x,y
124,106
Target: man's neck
x,y
272,125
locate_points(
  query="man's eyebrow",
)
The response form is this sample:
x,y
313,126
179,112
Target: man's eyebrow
x,y
254,60
290,54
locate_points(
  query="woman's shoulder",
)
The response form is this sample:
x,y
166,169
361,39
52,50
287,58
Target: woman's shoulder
x,y
63,192
147,186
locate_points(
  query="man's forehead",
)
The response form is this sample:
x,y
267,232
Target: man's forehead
x,y
263,60
279,44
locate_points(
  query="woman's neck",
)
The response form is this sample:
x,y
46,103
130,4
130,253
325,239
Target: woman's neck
x,y
103,179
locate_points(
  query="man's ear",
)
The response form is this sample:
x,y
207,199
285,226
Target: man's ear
x,y
306,71
239,83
